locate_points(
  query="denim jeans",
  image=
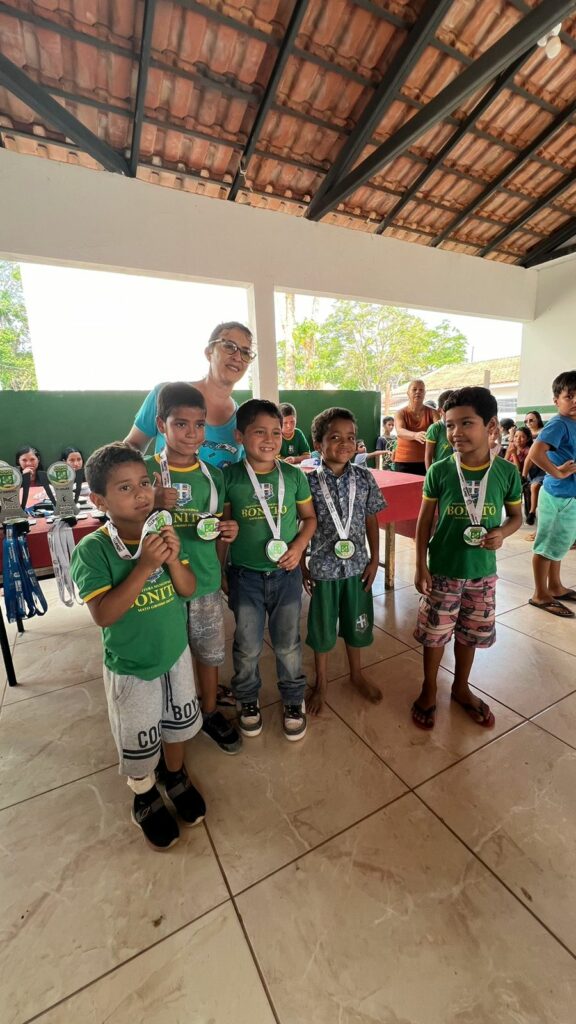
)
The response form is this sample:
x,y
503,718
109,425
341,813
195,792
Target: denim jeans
x,y
278,594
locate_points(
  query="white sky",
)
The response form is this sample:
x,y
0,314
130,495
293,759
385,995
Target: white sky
x,y
93,330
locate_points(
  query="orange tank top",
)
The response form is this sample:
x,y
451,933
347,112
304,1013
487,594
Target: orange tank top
x,y
406,449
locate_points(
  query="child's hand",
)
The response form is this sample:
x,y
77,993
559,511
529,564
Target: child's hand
x,y
423,581
290,459
493,540
369,574
307,580
164,497
168,534
228,530
155,551
567,468
292,557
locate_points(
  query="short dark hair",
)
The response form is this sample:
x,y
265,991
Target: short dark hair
x,y
480,399
68,451
534,412
321,422
171,396
287,409
387,419
230,325
565,381
507,423
24,451
249,410
443,398
527,434
104,459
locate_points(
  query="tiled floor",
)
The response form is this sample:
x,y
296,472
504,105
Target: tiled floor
x,y
372,873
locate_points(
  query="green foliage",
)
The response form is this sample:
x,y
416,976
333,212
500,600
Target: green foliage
x,y
17,372
364,347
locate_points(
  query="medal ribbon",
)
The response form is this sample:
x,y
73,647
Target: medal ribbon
x,y
274,526
342,531
149,527
474,508
167,482
61,543
22,592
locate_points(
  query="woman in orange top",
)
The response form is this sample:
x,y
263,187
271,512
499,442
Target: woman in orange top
x,y
412,422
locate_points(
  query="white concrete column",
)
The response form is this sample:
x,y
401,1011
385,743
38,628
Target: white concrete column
x,y
263,323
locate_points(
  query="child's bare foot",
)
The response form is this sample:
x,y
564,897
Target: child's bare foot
x,y
366,689
314,701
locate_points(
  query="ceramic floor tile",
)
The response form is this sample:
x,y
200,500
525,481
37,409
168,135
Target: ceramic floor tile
x,y
50,663
395,921
520,672
525,829
518,569
388,728
540,625
560,719
58,619
52,740
276,799
383,647
396,613
510,595
179,981
81,892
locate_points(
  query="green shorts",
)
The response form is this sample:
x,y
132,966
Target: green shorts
x,y
556,531
342,603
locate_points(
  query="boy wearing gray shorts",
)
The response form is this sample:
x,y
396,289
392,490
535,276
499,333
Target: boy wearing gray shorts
x,y
193,492
131,575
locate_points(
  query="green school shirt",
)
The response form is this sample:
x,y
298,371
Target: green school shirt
x,y
436,434
295,445
249,548
150,637
448,553
194,501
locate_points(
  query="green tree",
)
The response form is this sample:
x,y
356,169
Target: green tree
x,y
17,371
364,347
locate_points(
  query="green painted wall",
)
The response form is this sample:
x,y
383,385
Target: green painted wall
x,y
52,420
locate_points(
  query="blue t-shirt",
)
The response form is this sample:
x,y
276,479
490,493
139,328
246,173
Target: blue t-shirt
x,y
220,447
560,434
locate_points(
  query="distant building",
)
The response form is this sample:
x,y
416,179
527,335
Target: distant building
x,y
500,375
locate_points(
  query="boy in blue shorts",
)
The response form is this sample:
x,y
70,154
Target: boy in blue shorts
x,y
340,574
193,491
133,582
271,503
456,567
554,451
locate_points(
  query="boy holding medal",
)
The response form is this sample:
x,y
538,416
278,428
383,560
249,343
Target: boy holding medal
x,y
340,574
271,502
194,493
458,586
131,575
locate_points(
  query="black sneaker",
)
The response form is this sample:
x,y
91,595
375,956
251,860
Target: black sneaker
x,y
156,822
250,718
294,721
219,729
186,799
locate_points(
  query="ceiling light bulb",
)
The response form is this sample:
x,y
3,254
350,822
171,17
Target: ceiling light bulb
x,y
553,47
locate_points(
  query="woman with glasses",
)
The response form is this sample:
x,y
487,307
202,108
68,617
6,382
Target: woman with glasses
x,y
229,353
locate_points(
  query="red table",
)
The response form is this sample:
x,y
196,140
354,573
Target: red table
x,y
37,539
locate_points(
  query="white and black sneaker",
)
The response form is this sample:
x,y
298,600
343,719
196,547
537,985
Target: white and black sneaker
x,y
222,732
250,718
158,825
294,721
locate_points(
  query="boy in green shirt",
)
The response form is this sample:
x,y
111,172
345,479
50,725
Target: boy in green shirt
x,y
295,447
132,580
193,492
437,446
272,505
458,585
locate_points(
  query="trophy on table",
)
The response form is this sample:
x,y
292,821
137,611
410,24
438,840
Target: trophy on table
x,y
10,483
61,480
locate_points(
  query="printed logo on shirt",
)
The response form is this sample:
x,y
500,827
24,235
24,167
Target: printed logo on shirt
x,y
154,597
155,575
184,494
255,512
267,491
220,446
461,512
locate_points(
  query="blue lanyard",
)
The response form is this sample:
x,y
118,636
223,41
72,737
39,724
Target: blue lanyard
x,y
22,592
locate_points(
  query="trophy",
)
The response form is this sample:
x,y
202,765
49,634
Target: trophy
x,y
10,483
61,479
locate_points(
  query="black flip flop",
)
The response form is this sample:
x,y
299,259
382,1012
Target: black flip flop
x,y
429,716
487,720
570,595
553,608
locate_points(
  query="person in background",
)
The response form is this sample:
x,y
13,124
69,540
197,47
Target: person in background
x,y
437,445
362,455
295,448
386,443
534,475
74,458
229,353
412,422
29,461
519,447
534,422
507,426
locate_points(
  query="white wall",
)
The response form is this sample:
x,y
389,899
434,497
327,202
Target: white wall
x,y
549,342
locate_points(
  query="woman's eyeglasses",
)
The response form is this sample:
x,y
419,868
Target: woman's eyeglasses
x,y
246,354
